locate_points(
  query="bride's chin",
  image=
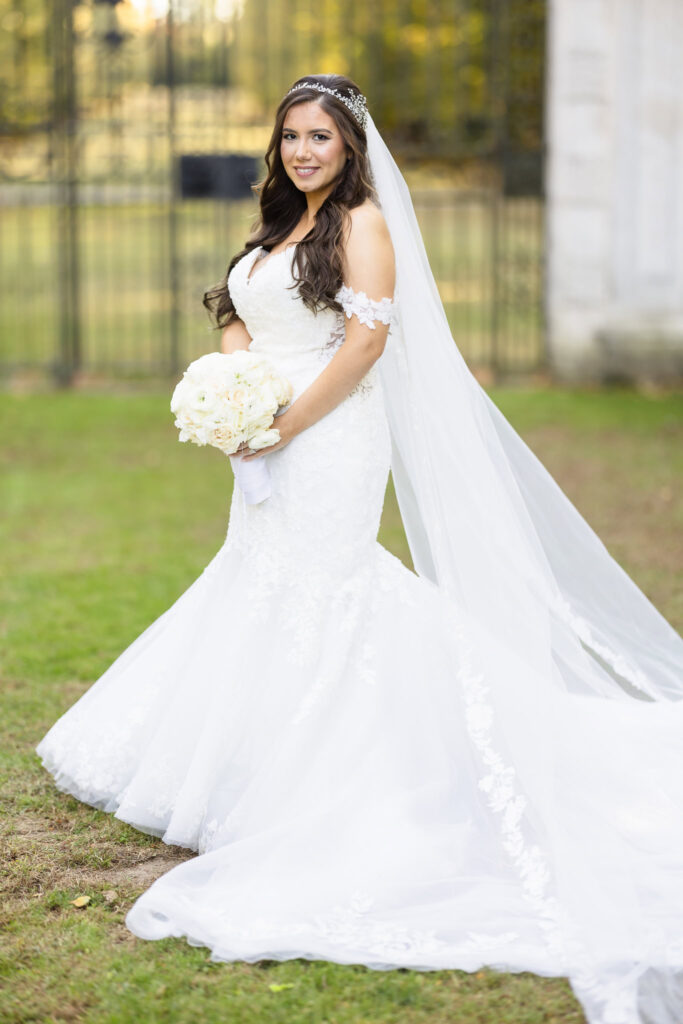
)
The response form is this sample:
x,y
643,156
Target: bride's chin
x,y
301,184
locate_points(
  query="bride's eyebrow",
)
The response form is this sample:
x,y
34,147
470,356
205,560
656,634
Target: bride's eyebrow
x,y
313,131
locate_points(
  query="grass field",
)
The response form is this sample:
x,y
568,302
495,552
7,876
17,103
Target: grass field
x,y
107,520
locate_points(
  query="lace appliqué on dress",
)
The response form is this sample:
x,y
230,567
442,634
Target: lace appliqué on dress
x,y
367,310
583,630
351,927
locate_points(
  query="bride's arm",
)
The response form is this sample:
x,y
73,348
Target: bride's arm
x,y
235,336
370,268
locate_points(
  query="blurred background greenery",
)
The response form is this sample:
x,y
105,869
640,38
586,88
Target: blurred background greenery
x,y
106,255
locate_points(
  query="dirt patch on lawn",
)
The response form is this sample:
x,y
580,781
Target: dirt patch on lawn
x,y
38,857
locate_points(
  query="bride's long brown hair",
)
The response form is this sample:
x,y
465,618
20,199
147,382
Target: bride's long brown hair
x,y
317,265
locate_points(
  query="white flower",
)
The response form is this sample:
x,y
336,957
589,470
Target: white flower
x,y
264,438
209,365
225,399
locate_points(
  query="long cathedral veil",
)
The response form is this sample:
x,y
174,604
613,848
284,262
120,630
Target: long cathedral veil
x,y
483,516
490,526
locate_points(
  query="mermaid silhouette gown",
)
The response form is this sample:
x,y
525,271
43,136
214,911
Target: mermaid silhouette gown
x,y
305,717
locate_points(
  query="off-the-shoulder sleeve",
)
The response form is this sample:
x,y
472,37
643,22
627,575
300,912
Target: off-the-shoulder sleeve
x,y
367,310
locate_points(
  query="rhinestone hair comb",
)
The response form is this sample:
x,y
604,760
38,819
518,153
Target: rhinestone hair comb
x,y
357,103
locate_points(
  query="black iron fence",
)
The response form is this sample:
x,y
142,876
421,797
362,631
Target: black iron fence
x,y
112,225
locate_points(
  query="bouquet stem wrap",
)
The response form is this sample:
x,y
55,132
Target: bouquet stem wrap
x,y
253,478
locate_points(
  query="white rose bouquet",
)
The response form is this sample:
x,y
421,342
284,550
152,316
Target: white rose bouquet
x,y
227,399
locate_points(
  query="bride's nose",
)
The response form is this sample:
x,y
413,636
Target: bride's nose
x,y
302,150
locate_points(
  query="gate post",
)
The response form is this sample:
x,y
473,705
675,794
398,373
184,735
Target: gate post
x,y
65,126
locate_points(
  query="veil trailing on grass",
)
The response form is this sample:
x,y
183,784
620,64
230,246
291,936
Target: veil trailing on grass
x,y
488,524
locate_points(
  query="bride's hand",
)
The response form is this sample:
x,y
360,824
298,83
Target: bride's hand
x,y
285,425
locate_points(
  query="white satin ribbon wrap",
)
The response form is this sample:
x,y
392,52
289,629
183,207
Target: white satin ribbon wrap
x,y
253,478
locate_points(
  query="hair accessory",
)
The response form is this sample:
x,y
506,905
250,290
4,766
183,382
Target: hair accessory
x,y
357,103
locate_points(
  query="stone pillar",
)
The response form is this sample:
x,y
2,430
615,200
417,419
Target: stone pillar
x,y
614,187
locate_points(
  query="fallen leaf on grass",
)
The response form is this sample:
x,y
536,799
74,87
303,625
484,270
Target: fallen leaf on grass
x,y
81,901
279,988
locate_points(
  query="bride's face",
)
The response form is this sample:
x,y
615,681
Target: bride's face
x,y
312,148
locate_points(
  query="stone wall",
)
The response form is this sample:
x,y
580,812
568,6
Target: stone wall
x,y
614,186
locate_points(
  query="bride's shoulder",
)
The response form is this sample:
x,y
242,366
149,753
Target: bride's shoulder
x,y
368,252
366,221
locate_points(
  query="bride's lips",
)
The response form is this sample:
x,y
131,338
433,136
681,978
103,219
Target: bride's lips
x,y
306,172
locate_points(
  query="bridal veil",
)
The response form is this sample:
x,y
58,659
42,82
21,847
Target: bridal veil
x,y
570,630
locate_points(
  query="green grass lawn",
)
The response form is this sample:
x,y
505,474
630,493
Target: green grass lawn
x,y
107,521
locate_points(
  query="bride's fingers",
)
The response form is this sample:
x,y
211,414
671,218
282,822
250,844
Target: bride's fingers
x,y
261,451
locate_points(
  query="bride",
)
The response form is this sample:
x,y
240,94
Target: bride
x,y
478,763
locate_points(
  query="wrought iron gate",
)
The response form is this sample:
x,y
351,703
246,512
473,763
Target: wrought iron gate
x,y
105,250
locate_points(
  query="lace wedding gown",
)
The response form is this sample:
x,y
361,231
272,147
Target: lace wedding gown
x,y
308,718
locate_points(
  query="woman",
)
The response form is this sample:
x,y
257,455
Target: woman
x,y
478,764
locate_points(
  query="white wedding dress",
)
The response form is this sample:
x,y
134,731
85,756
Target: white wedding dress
x,y
309,718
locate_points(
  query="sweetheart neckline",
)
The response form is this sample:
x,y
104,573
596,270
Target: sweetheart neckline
x,y
271,256
391,300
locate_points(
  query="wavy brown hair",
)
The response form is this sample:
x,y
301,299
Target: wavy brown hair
x,y
317,265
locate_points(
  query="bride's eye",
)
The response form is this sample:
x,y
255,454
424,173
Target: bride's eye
x,y
317,135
